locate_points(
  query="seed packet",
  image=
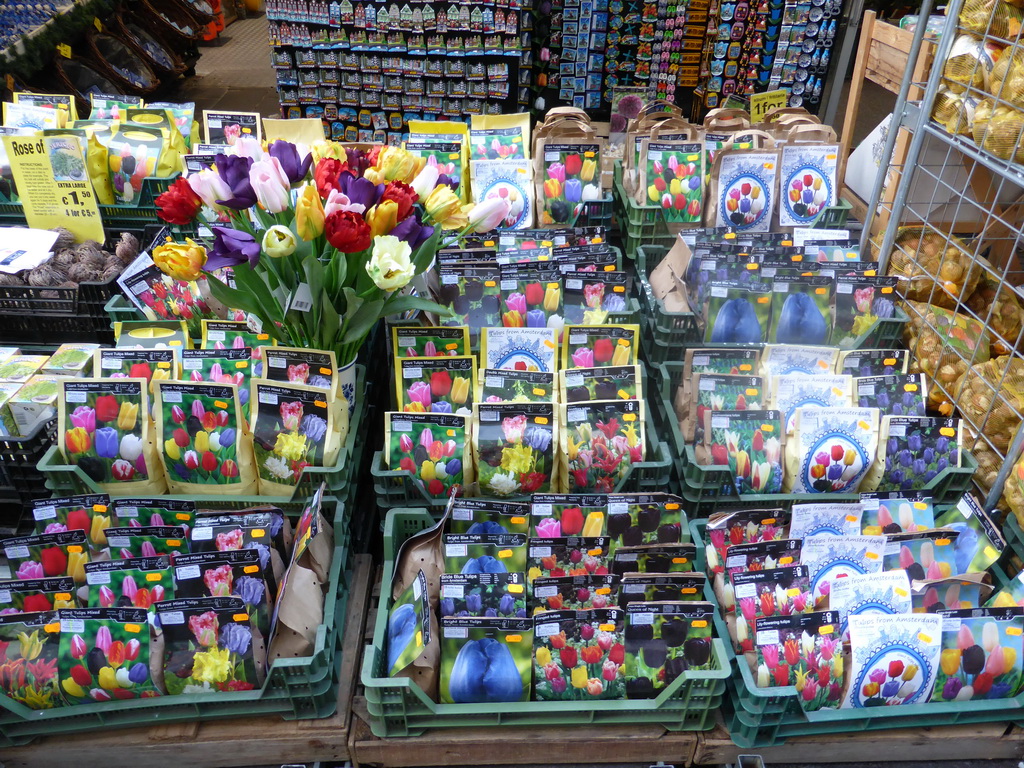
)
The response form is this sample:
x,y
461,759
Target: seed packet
x,y
34,595
48,555
135,153
151,334
419,341
87,513
31,642
749,443
408,625
755,556
647,587
766,593
923,555
989,669
313,368
894,659
878,593
829,558
486,660
805,646
209,645
484,553
638,519
892,395
266,532
664,640
793,391
654,558
602,440
873,362
148,364
423,443
557,515
472,292
737,313
521,349
573,593
514,448
528,255
229,127
605,345
831,450
801,310
861,301
672,177
567,173
896,512
495,385
588,300
490,595
71,360
744,196
488,516
956,593
105,654
578,655
101,432
816,519
980,543
720,392
807,181
786,359
510,180
138,512
139,582
567,556
182,116
438,385
913,450
21,367
231,573
499,143
147,541
233,334
726,529
203,438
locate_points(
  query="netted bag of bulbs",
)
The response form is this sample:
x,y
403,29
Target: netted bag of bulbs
x,y
991,17
997,129
990,396
1006,81
932,267
954,111
999,307
1013,491
987,457
969,64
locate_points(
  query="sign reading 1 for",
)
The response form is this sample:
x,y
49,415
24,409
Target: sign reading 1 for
x,y
53,184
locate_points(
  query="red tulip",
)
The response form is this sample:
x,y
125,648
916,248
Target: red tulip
x,y
403,195
179,204
781,674
745,188
81,675
407,464
792,651
435,487
209,462
181,438
229,468
140,371
982,684
54,560
131,650
36,603
720,457
78,648
191,460
122,693
534,294
440,383
177,415
142,599
587,632
568,657
210,421
107,408
115,654
78,520
347,231
837,453
617,654
895,667
604,349
326,174
572,521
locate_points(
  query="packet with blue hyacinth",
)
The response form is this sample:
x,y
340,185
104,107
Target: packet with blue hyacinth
x,y
873,362
486,660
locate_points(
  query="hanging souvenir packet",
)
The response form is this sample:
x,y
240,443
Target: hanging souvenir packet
x,y
894,659
742,190
138,512
514,447
873,362
816,519
654,558
589,299
88,512
228,573
896,512
878,593
489,516
801,309
486,660
565,174
735,313
33,638
509,180
989,669
34,595
645,518
663,640
750,444
138,582
567,641
980,543
588,346
806,646
923,555
913,450
647,587
471,291
861,302
495,385
791,392
48,555
435,384
767,593
829,558
624,382
892,395
521,349
726,529
576,593
831,450
557,515
602,440
720,392
418,341
490,595
147,541
807,180
567,556
484,553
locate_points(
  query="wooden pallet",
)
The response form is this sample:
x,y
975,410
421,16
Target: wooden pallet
x,y
222,743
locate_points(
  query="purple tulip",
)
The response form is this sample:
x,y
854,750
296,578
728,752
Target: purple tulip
x,y
235,637
412,231
139,673
883,399
506,604
573,190
920,467
897,410
521,613
490,613
694,182
227,437
929,455
905,458
942,444
234,170
897,475
808,196
356,160
447,607
914,443
250,589
745,205
360,191
892,446
295,168
835,472
313,427
441,406
951,688
474,602
106,442
232,247
447,180
930,475
535,318
538,438
453,467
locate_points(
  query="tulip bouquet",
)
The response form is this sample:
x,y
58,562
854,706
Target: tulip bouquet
x,y
579,656
918,449
570,176
658,652
766,593
199,432
489,662
116,583
745,442
35,595
923,555
147,541
623,382
989,670
48,555
441,385
28,660
657,521
575,593
803,650
896,395
106,656
319,251
569,556
603,440
488,595
87,513
515,447
411,445
895,659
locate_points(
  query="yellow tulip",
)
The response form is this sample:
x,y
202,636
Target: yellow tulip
x,y
108,681
309,213
801,679
460,390
202,441
172,450
950,661
127,416
382,218
594,524
1009,657
588,170
552,297
579,677
675,187
742,464
414,407
395,164
543,657
76,565
908,672
182,262
442,204
99,524
534,573
334,150
621,355
574,448
427,471
837,667
31,645
653,194
72,688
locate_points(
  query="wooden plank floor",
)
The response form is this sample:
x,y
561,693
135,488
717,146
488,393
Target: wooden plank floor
x,y
263,740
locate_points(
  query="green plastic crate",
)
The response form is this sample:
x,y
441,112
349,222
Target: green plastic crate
x,y
597,213
638,224
119,309
398,707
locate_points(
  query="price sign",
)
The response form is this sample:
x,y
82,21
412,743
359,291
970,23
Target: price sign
x,y
763,103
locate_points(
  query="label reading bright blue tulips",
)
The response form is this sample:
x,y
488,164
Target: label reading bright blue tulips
x,y
484,553
489,595
489,516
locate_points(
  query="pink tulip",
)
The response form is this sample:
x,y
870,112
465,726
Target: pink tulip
x,y
129,587
177,415
964,638
103,639
405,443
270,183
131,649
147,549
197,409
426,438
157,593
210,187
78,649
106,597
549,528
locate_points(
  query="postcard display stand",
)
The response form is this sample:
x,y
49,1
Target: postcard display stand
x,y
368,67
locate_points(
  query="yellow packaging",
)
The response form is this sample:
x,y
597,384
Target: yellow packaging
x,y
67,110
426,132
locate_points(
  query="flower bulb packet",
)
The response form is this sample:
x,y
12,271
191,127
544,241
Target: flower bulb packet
x,y
142,511
485,660
21,368
203,438
783,262
894,659
278,526
587,259
912,451
579,655
737,313
736,362
565,174
103,430
731,270
147,541
558,237
980,543
567,556
515,451
848,269
622,382
423,443
409,626
956,593
220,366
555,593
34,595
209,645
555,515
807,182
236,573
816,519
635,519
531,294
259,531
879,593
750,444
602,440
529,255
756,556
589,298
767,593
726,529
923,554
490,516
861,301
447,156
600,346
721,392
648,587
804,650
896,512
508,179
32,646
663,641
832,450
833,251
793,391
472,250
892,395
742,190
437,385
672,178
829,558
104,654
801,309
981,654
138,582
787,359
148,364
48,555
430,341
484,553
312,368
233,334
495,385
654,558
520,349
491,595
88,512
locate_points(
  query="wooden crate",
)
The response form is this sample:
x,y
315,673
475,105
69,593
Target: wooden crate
x,y
222,743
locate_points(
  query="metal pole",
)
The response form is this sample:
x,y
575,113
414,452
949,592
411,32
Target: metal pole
x,y
834,85
1004,471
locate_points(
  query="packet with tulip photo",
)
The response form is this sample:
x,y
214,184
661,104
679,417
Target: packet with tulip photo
x,y
896,512
514,447
567,556
266,532
31,642
33,595
446,156
958,593
622,382
805,650
233,334
531,295
581,592
912,451
418,341
590,346
87,513
832,449
409,627
312,368
486,660
508,180
861,302
520,349
147,541
645,518
981,657
590,297
567,174
892,395
138,582
685,587
602,440
495,385
435,384
469,553
801,309
742,190
578,655
980,543
137,512
136,152
829,558
219,366
471,291
556,515
161,297
760,555
766,593
489,516
831,518
230,573
736,312
672,178
750,444
48,555
923,555
882,593
726,529
146,364
654,558
492,595
807,179
873,362
433,447
663,641
720,392
894,660
105,654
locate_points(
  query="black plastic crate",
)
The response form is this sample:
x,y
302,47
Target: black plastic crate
x,y
20,481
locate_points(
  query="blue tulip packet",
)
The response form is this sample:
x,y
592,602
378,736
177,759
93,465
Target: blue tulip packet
x,y
408,625
793,391
896,512
645,519
750,444
621,382
831,450
486,660
801,309
508,386
490,595
567,556
471,291
436,341
903,395
484,553
235,573
894,660
888,593
136,512
555,515
730,266
527,349
756,556
664,640
913,451
862,301
579,655
147,541
923,555
596,346
654,558
488,516
766,593
32,595
980,543
804,650
37,684
873,362
981,656
590,297
574,593
721,392
648,587
829,558
836,519
87,512
735,313
138,582
209,645
958,593
787,359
